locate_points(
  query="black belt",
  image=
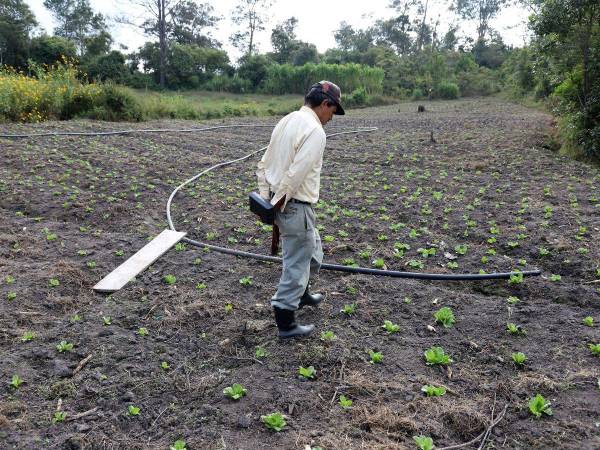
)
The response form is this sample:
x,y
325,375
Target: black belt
x,y
293,200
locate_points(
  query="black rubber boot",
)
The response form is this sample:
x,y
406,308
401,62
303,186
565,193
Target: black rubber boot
x,y
287,325
309,299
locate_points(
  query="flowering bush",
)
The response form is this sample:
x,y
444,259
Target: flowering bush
x,y
53,92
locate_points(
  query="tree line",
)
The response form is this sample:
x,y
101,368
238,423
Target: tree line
x,y
407,53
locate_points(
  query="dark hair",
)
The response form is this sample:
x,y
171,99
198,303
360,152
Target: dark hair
x,y
315,97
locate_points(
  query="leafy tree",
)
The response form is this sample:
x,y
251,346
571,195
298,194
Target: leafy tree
x,y
395,33
283,40
181,21
350,40
98,44
450,39
49,49
188,65
190,23
481,10
108,67
78,22
490,54
251,17
568,36
287,49
254,68
16,23
305,53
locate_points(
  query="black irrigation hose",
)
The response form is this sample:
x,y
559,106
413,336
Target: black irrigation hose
x,y
130,131
326,266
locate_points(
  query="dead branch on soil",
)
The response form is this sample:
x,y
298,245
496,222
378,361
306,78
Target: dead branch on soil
x,y
483,435
82,363
83,414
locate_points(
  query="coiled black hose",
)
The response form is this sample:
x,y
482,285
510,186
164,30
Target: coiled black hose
x,y
229,251
326,266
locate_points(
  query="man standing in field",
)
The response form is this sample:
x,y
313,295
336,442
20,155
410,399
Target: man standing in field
x,y
289,175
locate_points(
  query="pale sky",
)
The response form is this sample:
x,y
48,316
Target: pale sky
x,y
317,20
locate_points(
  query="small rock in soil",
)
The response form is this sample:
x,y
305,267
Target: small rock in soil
x,y
82,427
256,326
244,422
127,396
60,369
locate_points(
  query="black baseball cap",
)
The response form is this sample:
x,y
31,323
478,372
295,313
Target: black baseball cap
x,y
331,91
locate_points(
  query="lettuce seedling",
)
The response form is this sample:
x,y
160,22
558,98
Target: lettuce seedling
x,y
64,346
246,281
349,309
376,357
274,421
307,372
328,336
27,336
106,320
555,277
11,295
512,300
423,442
133,410
169,279
433,391
436,355
538,406
53,282
165,365
588,321
515,329
235,391
445,316
59,416
142,331
390,327
345,402
378,263
16,381
260,352
415,264
461,249
178,445
516,278
519,358
595,349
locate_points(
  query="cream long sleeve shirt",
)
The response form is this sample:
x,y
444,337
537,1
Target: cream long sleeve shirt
x,y
291,165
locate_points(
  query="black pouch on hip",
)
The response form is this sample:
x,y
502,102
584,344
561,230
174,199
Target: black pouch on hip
x,y
262,208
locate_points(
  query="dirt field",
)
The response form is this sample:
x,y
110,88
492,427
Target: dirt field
x,y
486,195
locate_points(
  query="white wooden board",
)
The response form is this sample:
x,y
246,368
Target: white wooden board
x,y
139,262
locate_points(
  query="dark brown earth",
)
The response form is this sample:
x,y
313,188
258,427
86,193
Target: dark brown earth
x,y
71,205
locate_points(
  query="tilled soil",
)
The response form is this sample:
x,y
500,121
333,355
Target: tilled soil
x,y
469,182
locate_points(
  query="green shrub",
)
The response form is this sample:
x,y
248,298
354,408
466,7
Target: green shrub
x,y
114,104
417,94
357,98
481,82
447,91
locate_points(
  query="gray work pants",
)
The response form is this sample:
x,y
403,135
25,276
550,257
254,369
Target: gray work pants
x,y
302,253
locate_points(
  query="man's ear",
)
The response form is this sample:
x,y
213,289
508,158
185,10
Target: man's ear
x,y
324,103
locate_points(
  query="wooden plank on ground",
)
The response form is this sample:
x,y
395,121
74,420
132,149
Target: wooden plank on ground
x,y
139,262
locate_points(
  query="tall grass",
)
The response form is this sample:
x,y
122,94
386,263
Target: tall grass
x,y
298,79
58,93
